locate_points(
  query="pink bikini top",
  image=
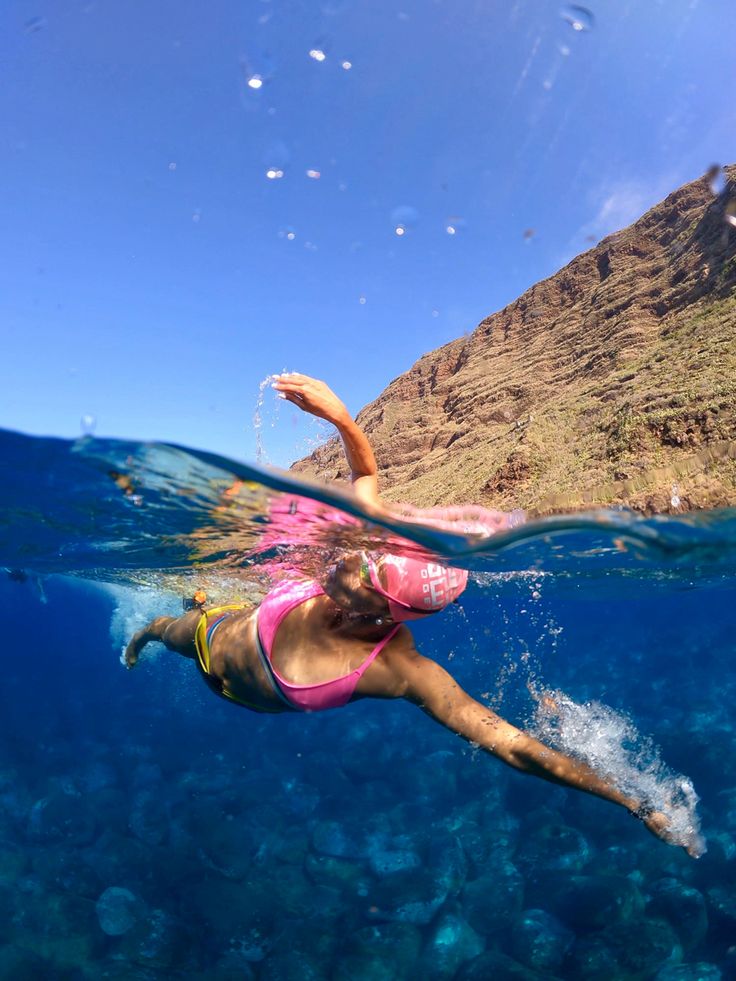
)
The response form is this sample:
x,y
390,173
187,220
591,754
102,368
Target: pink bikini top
x,y
326,694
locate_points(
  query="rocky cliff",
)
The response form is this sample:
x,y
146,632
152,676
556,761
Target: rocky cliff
x,y
613,381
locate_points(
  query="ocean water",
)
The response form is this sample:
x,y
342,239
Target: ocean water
x,y
151,830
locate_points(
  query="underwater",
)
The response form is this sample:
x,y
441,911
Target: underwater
x,y
151,830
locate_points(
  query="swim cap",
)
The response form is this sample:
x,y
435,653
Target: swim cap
x,y
414,587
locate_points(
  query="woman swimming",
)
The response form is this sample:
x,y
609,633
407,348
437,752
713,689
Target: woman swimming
x,y
311,646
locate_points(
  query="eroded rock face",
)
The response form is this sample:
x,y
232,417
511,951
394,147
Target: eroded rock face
x,y
609,382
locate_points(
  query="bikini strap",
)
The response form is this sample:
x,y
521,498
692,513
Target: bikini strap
x,y
376,651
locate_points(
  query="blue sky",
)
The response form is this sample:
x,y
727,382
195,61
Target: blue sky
x,y
152,273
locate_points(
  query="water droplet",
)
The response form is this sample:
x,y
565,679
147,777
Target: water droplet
x,y
717,179
318,53
257,68
529,234
276,159
362,301
87,424
314,174
729,213
403,219
579,18
34,25
347,65
172,165
454,224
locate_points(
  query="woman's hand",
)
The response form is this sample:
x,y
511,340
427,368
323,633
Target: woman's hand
x,y
659,825
312,396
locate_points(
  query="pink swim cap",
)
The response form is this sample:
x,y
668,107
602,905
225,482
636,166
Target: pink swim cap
x,y
415,588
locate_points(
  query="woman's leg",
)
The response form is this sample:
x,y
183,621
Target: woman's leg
x,y
177,633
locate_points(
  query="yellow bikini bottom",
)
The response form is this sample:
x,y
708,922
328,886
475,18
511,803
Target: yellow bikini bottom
x,y
202,643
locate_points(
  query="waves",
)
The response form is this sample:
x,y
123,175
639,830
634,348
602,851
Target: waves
x,y
113,509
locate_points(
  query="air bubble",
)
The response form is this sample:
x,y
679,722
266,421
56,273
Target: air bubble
x,y
362,301
274,174
454,224
254,82
403,219
87,424
717,179
172,165
288,233
346,65
675,496
196,216
580,19
313,174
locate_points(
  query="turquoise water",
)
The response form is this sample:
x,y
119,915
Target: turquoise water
x,y
150,830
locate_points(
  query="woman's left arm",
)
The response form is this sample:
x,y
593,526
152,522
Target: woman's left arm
x,y
428,685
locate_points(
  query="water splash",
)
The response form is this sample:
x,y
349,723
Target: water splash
x,y
87,424
612,746
263,387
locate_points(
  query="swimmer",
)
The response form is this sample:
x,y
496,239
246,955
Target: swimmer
x,y
312,646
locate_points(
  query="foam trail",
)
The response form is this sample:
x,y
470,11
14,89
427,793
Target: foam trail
x,y
135,606
611,745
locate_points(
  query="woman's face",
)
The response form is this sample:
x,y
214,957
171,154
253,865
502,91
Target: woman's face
x,y
345,587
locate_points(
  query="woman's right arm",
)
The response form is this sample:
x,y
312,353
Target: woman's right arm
x,y
318,399
428,685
